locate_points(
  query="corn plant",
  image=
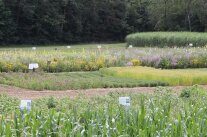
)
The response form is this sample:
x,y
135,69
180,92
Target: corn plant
x,y
161,114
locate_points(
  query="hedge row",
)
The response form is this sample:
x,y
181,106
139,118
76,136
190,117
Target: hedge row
x,y
167,39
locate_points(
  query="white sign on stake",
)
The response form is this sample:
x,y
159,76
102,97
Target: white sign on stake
x,y
33,66
26,104
68,47
130,46
33,48
125,101
99,46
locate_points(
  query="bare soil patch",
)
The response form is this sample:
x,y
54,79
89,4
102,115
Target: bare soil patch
x,y
31,94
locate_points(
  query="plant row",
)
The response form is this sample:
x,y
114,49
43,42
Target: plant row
x,y
66,81
167,39
94,59
57,61
168,58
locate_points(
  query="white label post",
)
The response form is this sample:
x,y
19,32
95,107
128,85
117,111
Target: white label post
x,y
125,101
26,104
34,48
33,66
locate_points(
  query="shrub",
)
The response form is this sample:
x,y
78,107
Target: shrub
x,y
51,103
136,62
164,63
192,92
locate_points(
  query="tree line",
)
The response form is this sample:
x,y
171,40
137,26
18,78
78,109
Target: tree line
x,y
78,21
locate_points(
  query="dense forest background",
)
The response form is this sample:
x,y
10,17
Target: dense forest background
x,y
79,21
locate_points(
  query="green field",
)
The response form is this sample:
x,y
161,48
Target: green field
x,y
162,113
103,68
84,61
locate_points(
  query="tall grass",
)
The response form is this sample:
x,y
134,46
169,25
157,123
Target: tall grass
x,y
172,77
170,39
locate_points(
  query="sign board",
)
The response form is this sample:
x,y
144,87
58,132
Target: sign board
x,y
99,46
130,46
33,48
190,44
125,101
26,104
33,66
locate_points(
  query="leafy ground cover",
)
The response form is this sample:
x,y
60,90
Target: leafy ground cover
x,y
160,114
169,39
74,80
172,77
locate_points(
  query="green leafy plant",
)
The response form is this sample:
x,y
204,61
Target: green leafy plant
x,y
192,92
51,103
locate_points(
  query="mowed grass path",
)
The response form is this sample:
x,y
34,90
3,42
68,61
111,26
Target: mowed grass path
x,y
62,47
176,77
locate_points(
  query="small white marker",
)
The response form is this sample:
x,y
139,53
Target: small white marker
x,y
34,48
125,101
68,47
190,44
130,46
99,46
33,66
25,104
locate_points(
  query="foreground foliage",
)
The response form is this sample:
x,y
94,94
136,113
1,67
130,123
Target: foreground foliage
x,y
181,77
161,114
